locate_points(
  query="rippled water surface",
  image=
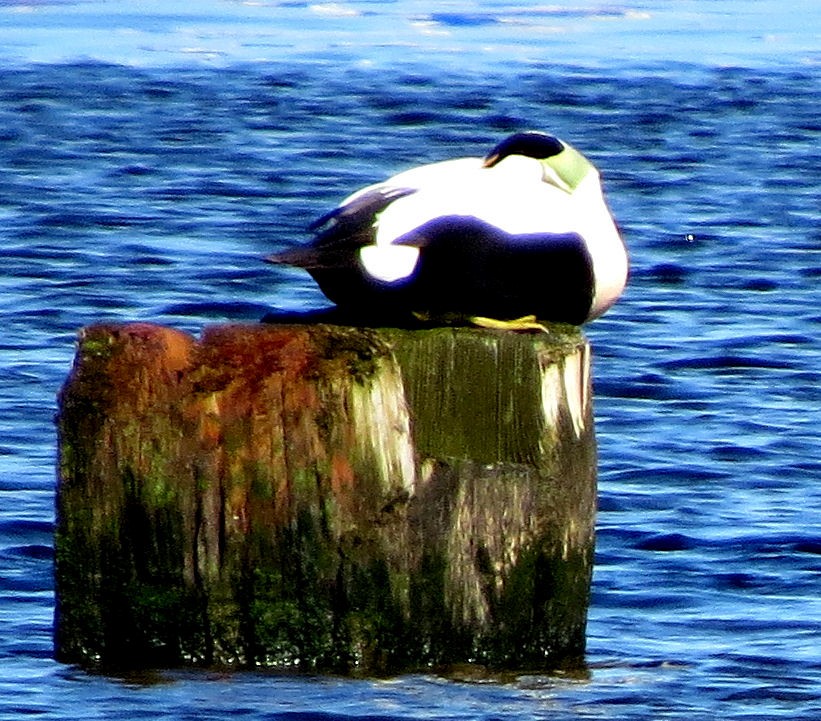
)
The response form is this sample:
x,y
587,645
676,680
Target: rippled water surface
x,y
148,159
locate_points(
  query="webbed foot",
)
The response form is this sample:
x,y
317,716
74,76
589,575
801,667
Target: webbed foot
x,y
525,323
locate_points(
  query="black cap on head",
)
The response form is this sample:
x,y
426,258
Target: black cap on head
x,y
532,144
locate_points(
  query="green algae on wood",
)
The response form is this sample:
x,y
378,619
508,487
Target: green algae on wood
x,y
325,498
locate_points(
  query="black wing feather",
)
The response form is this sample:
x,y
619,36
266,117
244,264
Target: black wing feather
x,y
342,231
363,208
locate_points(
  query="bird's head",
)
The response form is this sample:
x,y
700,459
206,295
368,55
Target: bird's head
x,y
562,165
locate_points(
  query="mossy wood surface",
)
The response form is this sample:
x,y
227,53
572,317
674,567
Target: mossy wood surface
x,y
325,498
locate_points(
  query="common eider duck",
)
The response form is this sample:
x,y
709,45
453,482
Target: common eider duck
x,y
524,231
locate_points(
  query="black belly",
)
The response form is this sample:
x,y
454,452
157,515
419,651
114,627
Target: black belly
x,y
471,268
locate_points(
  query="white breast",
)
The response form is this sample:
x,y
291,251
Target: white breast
x,y
604,243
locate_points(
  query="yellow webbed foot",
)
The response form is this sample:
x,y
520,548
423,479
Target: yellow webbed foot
x,y
525,323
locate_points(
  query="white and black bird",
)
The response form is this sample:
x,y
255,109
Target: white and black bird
x,y
524,231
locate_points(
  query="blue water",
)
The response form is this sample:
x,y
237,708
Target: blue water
x,y
149,157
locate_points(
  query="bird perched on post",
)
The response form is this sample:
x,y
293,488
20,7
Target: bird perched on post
x,y
524,231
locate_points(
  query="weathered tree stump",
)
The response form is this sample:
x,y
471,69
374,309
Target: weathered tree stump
x,y
325,498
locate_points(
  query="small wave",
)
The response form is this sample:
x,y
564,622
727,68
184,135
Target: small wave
x,y
329,716
222,309
726,362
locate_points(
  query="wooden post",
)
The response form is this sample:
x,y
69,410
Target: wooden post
x,y
325,498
